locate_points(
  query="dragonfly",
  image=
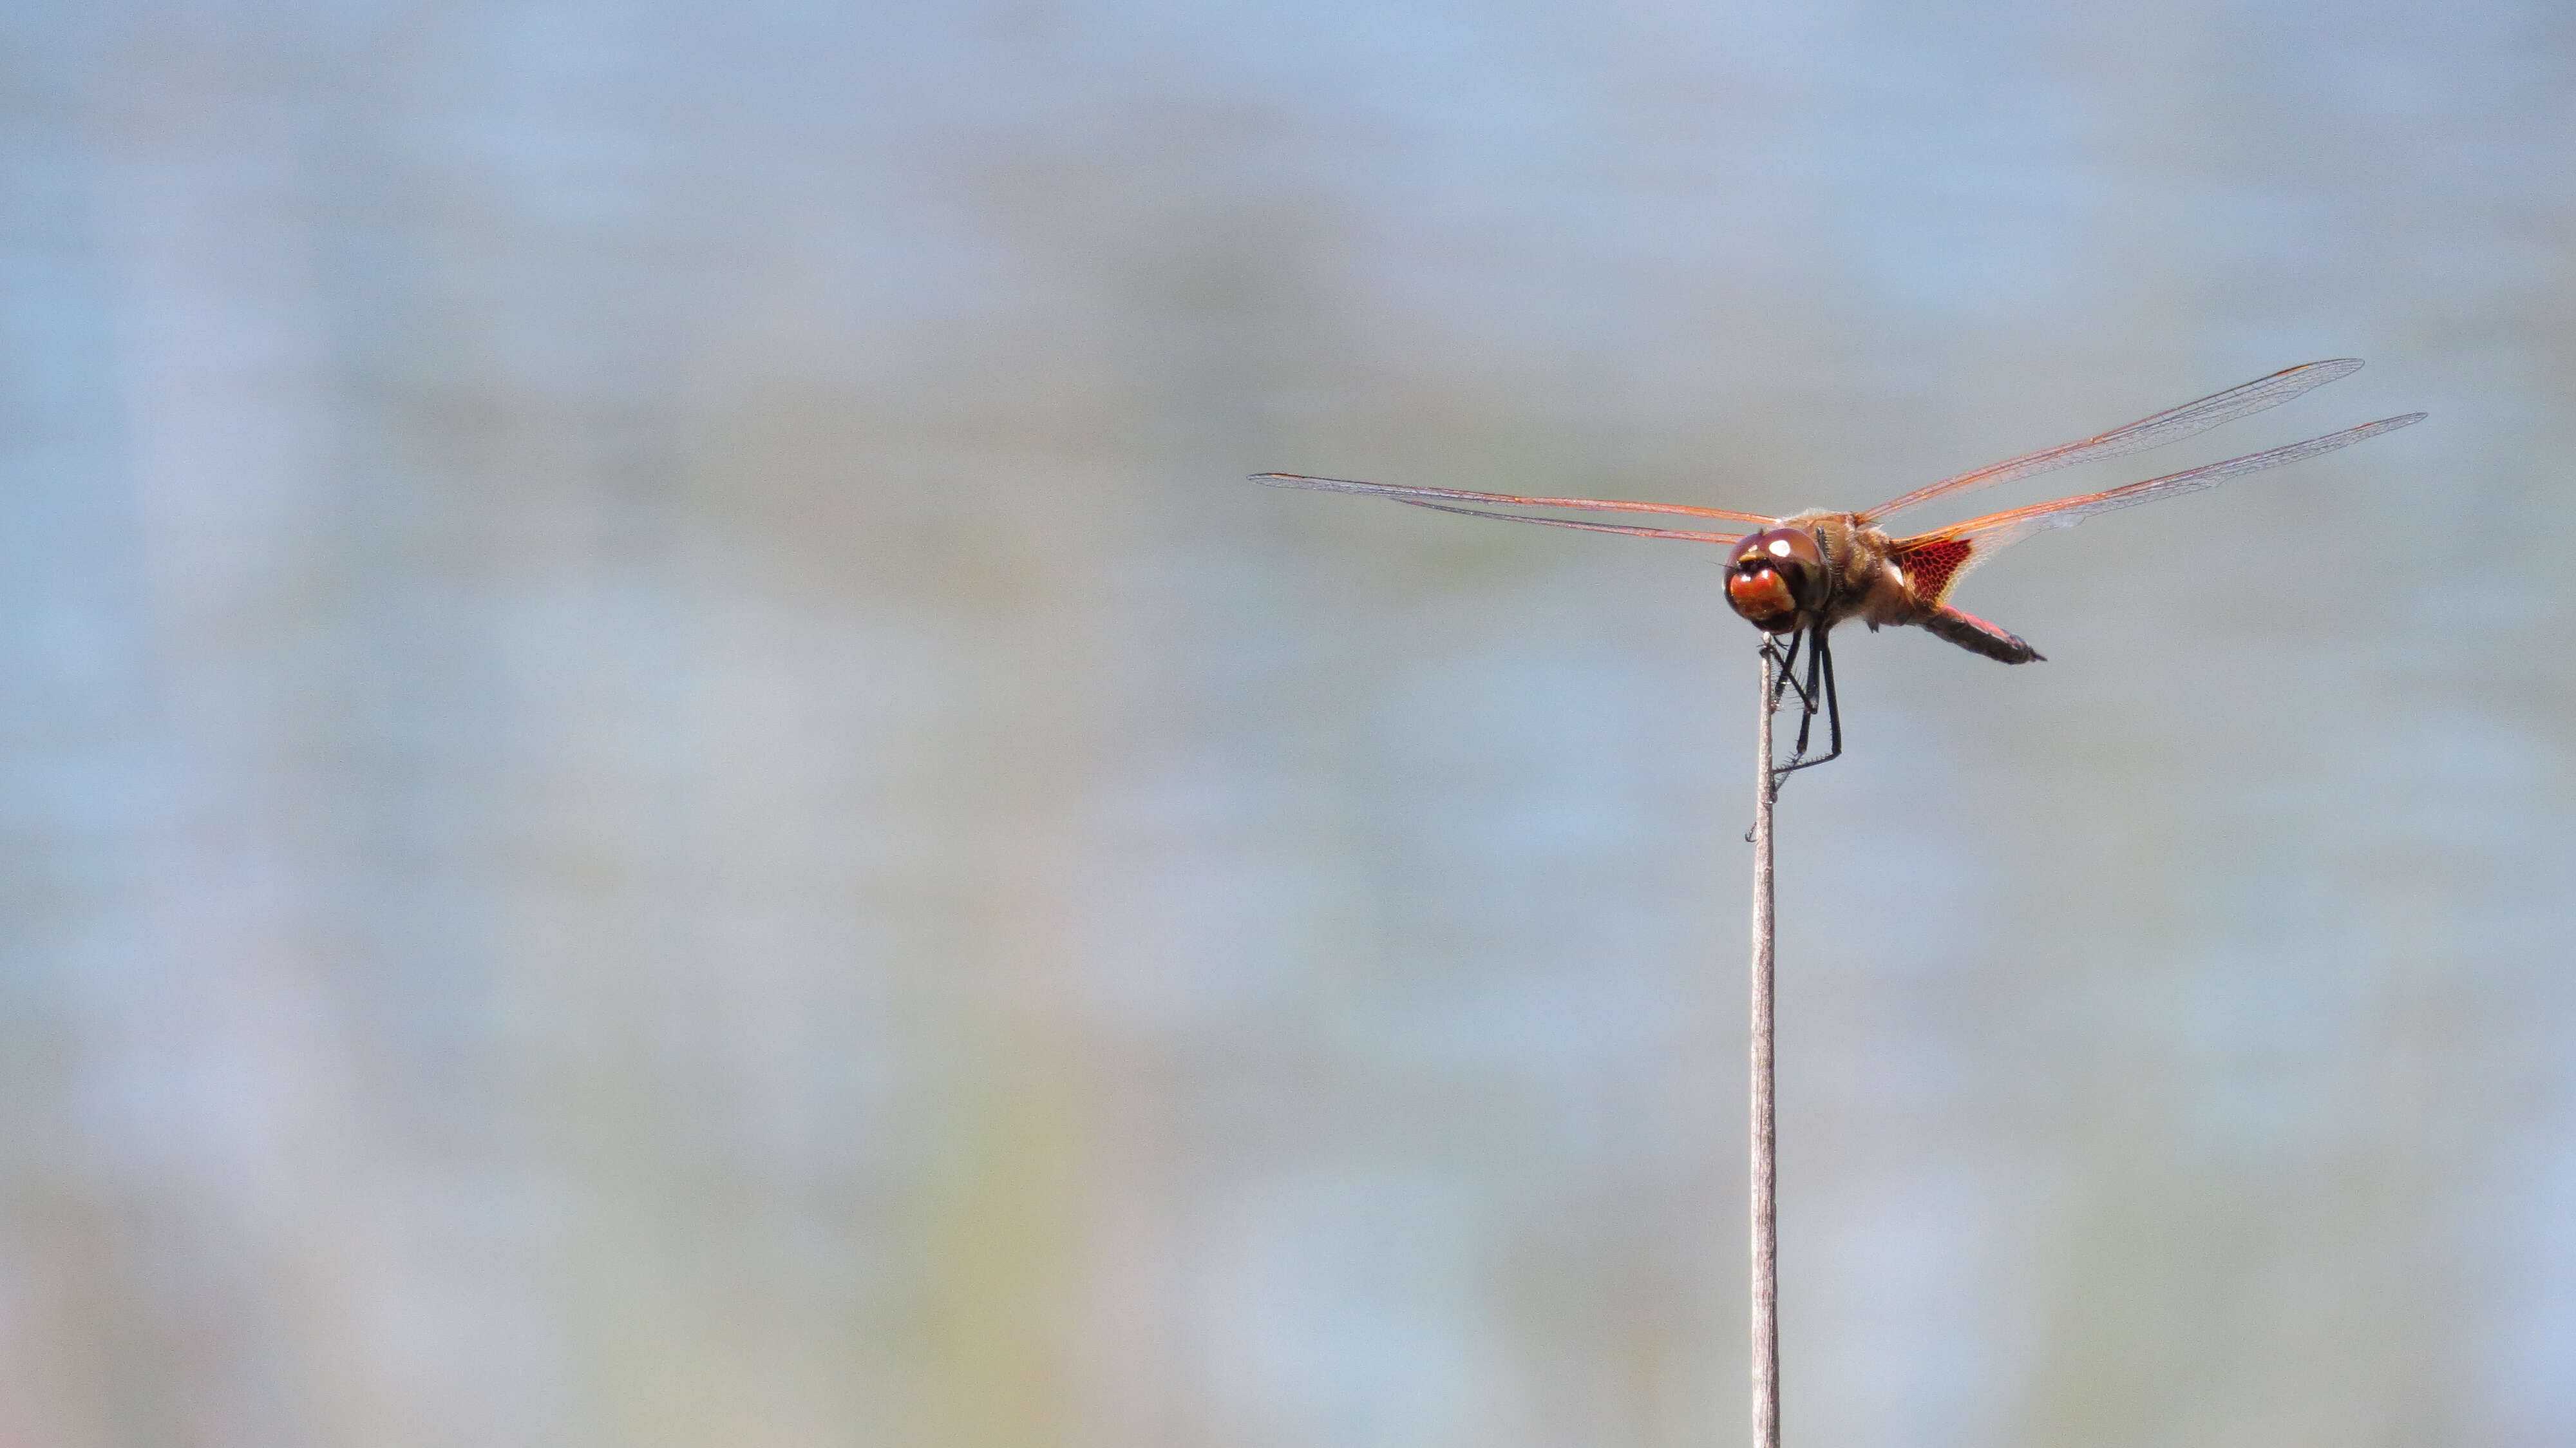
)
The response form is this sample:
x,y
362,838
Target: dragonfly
x,y
1795,578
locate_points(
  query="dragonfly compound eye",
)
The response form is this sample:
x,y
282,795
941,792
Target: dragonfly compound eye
x,y
1774,576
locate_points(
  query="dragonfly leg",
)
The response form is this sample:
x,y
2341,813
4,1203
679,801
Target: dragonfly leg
x,y
1787,659
1824,654
1806,706
1833,707
1816,695
1819,695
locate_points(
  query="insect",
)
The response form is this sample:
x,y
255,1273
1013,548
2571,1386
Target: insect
x,y
1794,578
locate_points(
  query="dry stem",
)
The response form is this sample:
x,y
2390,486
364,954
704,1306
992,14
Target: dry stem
x,y
1766,1243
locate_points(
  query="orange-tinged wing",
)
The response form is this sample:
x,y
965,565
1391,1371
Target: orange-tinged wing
x,y
1460,495
1935,562
2172,425
1680,533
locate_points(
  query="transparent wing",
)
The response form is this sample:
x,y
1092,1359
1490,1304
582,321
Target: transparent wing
x,y
1680,533
2168,426
1935,562
1409,494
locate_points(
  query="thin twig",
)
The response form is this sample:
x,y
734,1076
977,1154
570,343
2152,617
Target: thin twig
x,y
1766,1243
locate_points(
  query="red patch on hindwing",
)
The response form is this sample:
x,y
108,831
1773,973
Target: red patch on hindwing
x,y
1932,564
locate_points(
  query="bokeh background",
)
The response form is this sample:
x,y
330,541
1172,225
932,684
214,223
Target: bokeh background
x,y
661,788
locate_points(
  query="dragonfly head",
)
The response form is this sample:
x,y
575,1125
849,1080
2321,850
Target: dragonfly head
x,y
1775,578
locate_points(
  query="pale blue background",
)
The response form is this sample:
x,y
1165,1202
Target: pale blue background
x,y
659,786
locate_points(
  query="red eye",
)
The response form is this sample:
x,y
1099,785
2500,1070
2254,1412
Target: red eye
x,y
1763,599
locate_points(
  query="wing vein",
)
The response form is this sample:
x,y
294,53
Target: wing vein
x,y
1681,533
2171,425
1996,531
1403,493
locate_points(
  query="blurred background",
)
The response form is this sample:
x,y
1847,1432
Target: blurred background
x,y
661,788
